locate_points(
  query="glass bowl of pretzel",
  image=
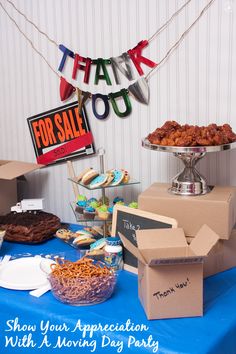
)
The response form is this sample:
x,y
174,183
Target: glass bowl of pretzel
x,y
84,282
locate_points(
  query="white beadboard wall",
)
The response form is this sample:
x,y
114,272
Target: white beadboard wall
x,y
197,85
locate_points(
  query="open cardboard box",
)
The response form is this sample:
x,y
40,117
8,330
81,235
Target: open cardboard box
x,y
170,272
222,256
9,172
217,209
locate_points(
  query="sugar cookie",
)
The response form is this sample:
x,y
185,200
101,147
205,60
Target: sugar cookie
x,y
81,175
118,177
89,176
98,181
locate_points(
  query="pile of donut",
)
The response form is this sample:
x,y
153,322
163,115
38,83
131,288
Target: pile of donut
x,y
174,134
94,179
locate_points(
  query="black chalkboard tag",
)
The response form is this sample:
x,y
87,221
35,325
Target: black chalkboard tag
x,y
127,220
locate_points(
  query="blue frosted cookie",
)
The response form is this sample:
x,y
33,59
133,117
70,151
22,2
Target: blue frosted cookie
x,y
98,181
118,177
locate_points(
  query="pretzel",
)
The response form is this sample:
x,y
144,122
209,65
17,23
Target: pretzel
x,y
82,282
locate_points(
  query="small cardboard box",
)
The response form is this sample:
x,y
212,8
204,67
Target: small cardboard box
x,y
222,256
9,171
217,209
170,273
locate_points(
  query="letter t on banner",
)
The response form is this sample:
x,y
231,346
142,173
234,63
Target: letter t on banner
x,y
66,52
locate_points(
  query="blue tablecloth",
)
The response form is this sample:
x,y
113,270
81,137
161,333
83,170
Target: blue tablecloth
x,y
29,324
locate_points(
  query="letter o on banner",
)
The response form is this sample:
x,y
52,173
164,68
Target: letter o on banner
x,y
104,98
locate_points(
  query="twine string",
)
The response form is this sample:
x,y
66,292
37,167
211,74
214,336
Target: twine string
x,y
167,22
151,72
28,40
33,24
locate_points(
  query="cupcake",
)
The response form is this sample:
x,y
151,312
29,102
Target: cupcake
x,y
90,200
118,199
120,202
103,212
110,212
81,203
81,198
133,205
89,212
101,201
94,205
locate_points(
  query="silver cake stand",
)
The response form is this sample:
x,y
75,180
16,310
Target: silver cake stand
x,y
189,181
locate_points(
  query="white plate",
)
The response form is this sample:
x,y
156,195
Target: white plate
x,y
23,274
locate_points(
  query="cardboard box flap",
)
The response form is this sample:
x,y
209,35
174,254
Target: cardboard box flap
x,y
157,244
130,247
204,241
3,162
151,256
14,169
160,238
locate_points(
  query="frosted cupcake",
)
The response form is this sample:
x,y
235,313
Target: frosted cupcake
x,y
110,212
90,200
81,203
120,203
103,212
89,212
95,205
118,199
133,205
102,202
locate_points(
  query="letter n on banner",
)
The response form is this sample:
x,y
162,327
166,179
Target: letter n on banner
x,y
61,134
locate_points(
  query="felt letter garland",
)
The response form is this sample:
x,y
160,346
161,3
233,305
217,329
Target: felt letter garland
x,y
78,65
122,93
104,98
126,71
122,64
140,90
82,98
66,52
101,64
137,58
66,89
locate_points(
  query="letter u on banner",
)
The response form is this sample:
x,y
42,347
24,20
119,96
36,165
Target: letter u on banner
x,y
125,94
104,98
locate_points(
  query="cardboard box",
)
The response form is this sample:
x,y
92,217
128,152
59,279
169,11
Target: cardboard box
x,y
170,273
222,256
217,209
9,172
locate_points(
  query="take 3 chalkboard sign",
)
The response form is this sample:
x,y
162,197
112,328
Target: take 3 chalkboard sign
x,y
127,220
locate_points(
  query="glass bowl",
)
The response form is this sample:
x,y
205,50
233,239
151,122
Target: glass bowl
x,y
83,290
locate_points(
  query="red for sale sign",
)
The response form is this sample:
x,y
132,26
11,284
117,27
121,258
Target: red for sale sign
x,y
60,134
